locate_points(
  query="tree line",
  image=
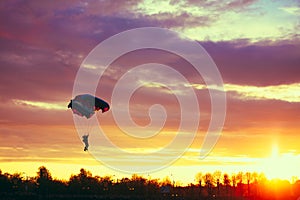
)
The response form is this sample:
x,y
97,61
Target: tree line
x,y
84,185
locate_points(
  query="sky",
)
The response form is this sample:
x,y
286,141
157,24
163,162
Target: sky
x,y
255,45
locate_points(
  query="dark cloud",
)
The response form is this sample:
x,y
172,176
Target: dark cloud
x,y
181,20
236,4
256,64
261,115
35,74
43,44
223,5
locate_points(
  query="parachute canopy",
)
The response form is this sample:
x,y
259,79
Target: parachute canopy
x,y
86,105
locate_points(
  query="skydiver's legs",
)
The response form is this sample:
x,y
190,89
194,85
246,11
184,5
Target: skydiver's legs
x,y
86,142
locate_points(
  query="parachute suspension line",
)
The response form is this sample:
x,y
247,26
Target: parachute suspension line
x,y
89,126
97,117
83,126
90,123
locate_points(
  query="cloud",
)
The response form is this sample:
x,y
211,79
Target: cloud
x,y
180,20
259,64
221,20
238,4
286,92
43,44
92,21
291,10
35,73
176,15
289,93
40,105
260,110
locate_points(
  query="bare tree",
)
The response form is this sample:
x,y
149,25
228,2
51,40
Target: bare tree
x,y
239,178
209,182
248,178
255,181
217,176
233,179
199,178
226,182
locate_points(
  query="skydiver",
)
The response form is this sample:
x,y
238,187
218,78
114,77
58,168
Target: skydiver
x,y
85,141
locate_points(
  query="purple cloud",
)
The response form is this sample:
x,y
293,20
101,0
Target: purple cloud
x,y
256,64
43,44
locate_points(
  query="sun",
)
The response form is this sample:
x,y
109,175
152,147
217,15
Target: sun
x,y
281,165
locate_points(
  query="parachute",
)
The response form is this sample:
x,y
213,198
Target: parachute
x,y
85,105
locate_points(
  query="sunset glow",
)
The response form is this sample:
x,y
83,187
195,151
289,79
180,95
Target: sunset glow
x,y
255,45
281,165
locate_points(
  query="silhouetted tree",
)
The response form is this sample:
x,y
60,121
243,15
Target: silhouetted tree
x,y
59,187
248,178
86,186
4,182
255,183
105,184
84,183
138,184
209,183
16,182
217,176
199,178
123,186
239,178
44,180
167,181
152,188
234,179
226,182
